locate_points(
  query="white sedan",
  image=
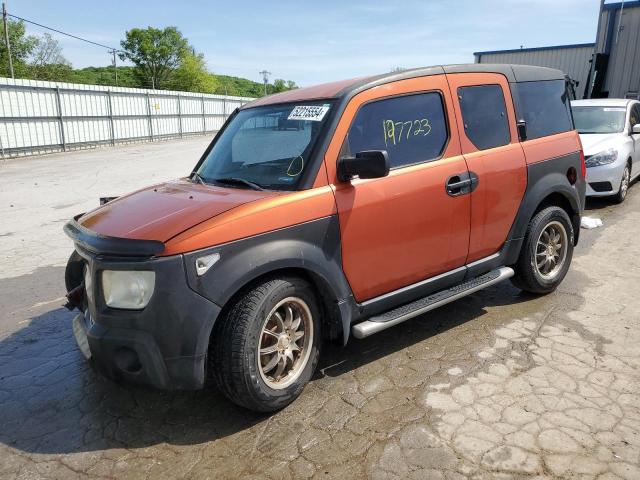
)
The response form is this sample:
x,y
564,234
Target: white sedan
x,y
609,129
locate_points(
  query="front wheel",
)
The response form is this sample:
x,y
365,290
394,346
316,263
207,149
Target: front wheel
x,y
267,346
624,185
546,253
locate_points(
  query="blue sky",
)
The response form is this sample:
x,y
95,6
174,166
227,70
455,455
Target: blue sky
x,y
316,41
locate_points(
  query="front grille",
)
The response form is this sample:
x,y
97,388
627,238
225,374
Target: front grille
x,y
601,186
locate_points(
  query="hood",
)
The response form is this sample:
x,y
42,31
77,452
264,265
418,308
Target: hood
x,y
593,143
162,211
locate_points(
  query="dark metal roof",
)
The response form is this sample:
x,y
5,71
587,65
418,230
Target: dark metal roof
x,y
537,49
349,88
514,73
618,5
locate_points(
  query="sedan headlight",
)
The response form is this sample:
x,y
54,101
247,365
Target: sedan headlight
x,y
602,158
130,290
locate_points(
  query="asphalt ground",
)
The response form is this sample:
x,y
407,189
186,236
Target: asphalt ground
x,y
496,385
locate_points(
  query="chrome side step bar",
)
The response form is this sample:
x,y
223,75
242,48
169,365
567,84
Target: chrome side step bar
x,y
405,312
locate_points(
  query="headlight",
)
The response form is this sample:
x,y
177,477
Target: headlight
x,y
602,158
129,290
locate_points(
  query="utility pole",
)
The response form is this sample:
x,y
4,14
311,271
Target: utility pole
x,y
588,89
6,38
115,66
265,78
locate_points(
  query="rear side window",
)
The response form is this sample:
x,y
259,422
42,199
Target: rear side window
x,y
411,128
484,114
544,106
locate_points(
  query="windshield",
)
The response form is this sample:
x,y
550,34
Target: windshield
x,y
601,119
266,146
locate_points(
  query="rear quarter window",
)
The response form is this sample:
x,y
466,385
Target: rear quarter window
x,y
484,114
411,128
544,106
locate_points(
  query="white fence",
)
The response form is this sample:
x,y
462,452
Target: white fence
x,y
42,117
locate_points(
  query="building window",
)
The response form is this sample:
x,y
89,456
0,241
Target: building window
x,y
411,128
484,115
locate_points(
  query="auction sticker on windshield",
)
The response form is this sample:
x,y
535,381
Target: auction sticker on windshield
x,y
315,113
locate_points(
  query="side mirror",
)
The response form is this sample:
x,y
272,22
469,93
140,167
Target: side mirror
x,y
366,164
635,130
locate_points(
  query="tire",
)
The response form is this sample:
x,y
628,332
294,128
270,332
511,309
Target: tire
x,y
73,277
625,181
545,225
73,273
242,374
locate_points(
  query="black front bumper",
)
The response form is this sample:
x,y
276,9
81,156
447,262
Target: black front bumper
x,y
165,344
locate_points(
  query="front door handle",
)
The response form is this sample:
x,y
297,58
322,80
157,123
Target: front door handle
x,y
461,184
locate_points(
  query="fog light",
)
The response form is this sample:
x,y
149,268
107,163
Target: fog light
x,y
129,290
127,360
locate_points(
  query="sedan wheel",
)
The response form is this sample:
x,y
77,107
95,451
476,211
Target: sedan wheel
x,y
624,185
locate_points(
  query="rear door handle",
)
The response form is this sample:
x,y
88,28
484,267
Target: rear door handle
x,y
461,184
452,186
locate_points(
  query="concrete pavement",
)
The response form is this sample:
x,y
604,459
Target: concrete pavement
x,y
497,385
39,194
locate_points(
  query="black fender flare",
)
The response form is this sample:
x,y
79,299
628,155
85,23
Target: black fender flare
x,y
545,180
312,247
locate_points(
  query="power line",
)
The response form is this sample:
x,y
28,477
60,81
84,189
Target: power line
x,y
112,50
63,33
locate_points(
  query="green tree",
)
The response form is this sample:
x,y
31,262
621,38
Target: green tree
x,y
280,85
192,75
154,52
21,47
46,61
106,76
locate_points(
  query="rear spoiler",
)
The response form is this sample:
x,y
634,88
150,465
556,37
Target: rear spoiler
x,y
105,245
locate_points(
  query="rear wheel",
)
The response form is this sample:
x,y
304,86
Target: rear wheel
x,y
267,346
624,185
546,253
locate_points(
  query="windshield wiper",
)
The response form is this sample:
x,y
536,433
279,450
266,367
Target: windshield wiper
x,y
238,181
197,178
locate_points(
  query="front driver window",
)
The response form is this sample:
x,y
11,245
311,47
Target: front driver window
x,y
411,128
634,118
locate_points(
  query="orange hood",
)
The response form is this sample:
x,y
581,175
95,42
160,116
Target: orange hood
x,y
162,211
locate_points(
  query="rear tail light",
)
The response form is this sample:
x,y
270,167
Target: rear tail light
x,y
583,165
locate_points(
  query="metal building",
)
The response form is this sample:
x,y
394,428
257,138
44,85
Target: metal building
x,y
608,68
571,59
617,54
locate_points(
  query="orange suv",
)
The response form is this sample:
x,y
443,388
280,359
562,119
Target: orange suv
x,y
384,198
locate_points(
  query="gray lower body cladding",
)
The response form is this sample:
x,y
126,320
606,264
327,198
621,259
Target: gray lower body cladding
x,y
165,344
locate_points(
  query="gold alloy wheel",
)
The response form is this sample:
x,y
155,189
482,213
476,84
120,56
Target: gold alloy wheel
x,y
285,342
551,250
